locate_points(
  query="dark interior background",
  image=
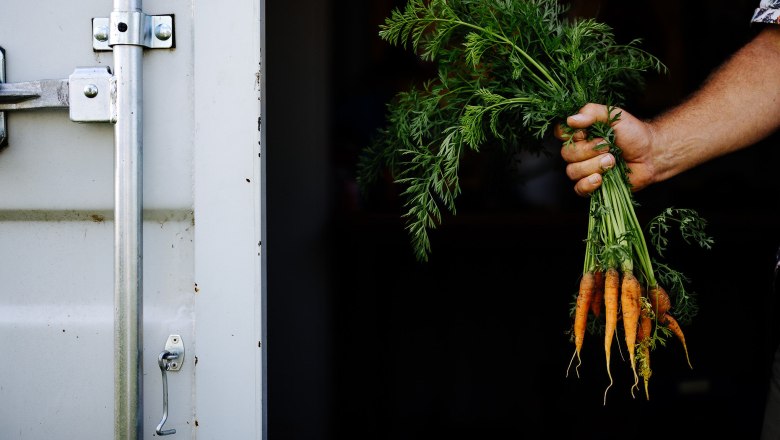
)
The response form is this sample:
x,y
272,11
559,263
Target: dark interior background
x,y
365,342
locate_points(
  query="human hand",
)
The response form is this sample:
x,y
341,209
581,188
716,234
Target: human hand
x,y
586,163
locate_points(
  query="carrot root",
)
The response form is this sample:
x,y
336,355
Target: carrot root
x,y
598,294
674,326
584,300
611,287
659,300
643,335
644,369
630,292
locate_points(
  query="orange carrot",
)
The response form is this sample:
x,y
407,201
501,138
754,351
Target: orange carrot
x,y
659,300
672,324
629,303
645,327
611,287
598,294
584,299
643,335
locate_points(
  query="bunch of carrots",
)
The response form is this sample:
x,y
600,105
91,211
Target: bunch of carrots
x,y
618,278
507,72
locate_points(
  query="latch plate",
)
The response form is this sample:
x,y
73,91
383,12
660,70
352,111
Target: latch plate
x,y
175,345
136,28
92,93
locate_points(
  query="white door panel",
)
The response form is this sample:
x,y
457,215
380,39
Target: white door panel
x,y
202,197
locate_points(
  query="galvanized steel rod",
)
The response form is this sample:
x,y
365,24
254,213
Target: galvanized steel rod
x,y
128,235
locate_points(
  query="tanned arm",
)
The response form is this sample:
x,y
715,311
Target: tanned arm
x,y
736,107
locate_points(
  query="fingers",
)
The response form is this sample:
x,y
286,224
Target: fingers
x,y
580,120
587,183
565,133
585,186
586,160
586,116
583,150
589,114
594,165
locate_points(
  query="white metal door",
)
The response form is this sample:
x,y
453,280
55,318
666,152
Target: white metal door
x,y
202,223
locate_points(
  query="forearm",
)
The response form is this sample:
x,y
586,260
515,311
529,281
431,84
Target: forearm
x,y
736,107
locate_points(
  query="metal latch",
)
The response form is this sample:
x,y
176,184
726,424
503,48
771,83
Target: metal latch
x,y
89,92
170,359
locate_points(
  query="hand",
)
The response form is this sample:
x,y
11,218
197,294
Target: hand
x,y
586,163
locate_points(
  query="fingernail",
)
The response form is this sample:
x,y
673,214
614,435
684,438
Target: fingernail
x,y
577,118
593,179
606,162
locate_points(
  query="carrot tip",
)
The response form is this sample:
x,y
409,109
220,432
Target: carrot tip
x,y
605,391
609,373
577,367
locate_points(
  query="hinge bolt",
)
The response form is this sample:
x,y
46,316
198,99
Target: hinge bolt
x,y
101,33
163,32
90,90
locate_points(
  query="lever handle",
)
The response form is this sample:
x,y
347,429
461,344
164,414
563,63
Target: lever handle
x,y
164,362
170,359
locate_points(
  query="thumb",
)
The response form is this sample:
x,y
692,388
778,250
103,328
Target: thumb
x,y
580,120
591,113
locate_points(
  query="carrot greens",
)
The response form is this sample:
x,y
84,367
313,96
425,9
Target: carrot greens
x,y
507,72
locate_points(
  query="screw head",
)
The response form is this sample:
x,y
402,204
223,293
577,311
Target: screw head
x,y
163,32
101,33
90,90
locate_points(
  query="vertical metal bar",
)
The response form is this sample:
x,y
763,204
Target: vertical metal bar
x,y
128,236
3,133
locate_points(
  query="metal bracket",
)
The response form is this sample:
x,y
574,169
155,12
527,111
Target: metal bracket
x,y
134,28
89,93
92,95
174,345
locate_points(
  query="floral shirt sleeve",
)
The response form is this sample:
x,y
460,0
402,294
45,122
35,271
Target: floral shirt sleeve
x,y
767,12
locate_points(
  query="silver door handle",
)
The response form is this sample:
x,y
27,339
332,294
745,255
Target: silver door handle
x,y
164,361
170,359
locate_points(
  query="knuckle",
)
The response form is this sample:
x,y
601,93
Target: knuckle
x,y
566,153
572,171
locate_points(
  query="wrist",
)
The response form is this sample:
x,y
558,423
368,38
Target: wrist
x,y
661,165
653,136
